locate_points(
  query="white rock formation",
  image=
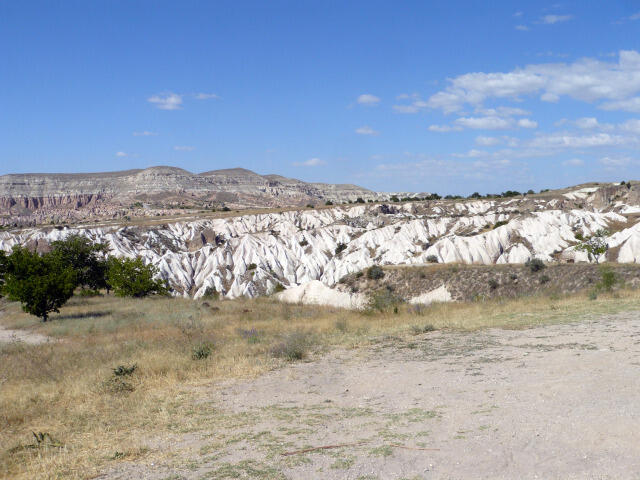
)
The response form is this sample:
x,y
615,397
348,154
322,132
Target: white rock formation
x,y
317,293
296,247
440,294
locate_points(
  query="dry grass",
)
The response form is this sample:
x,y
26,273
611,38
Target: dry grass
x,y
63,387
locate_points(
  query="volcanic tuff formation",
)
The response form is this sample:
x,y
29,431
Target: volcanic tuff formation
x,y
39,198
250,254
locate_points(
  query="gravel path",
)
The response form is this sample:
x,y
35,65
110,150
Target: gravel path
x,y
555,402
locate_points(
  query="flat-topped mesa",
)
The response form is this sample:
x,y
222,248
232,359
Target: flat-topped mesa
x,y
34,196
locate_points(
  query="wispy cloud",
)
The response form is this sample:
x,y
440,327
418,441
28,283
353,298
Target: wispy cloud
x,y
366,130
206,96
167,101
312,162
522,28
484,123
184,148
573,162
368,100
122,154
145,134
552,19
444,128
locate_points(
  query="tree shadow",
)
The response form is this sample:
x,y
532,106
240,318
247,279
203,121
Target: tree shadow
x,y
75,316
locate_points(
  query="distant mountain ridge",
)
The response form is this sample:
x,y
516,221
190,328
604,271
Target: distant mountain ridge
x,y
43,195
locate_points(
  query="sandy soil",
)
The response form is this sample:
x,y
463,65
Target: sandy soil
x,y
8,335
556,402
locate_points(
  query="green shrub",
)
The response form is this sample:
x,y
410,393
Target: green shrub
x,y
293,346
340,248
608,279
132,278
210,293
500,223
201,351
535,265
420,329
493,283
304,243
383,300
252,266
544,279
328,202
341,325
278,288
432,259
375,272
124,371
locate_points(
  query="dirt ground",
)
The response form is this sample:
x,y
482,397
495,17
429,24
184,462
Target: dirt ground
x,y
8,335
559,401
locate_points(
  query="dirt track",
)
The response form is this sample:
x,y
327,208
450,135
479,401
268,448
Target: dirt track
x,y
559,402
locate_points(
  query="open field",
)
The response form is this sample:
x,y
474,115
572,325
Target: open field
x,y
192,417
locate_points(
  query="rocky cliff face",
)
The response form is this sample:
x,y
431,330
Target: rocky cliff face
x,y
36,198
296,247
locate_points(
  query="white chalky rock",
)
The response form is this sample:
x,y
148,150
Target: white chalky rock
x,y
296,247
440,294
317,293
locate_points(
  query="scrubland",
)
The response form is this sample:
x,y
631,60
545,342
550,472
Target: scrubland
x,y
67,411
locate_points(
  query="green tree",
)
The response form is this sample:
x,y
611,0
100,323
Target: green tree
x,y
86,258
595,246
4,263
41,283
132,278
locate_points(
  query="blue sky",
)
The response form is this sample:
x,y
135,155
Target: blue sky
x,y
444,96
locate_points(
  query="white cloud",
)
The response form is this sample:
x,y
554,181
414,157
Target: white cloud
x,y
527,123
518,14
615,161
629,105
444,128
484,123
492,141
145,134
312,162
206,96
573,162
121,154
587,123
632,126
368,100
635,16
578,141
184,148
168,101
551,19
473,153
366,130
502,111
522,28
587,80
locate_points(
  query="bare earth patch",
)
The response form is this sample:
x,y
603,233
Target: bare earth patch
x,y
559,401
8,335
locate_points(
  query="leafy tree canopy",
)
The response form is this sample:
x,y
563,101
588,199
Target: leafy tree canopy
x,y
41,283
132,278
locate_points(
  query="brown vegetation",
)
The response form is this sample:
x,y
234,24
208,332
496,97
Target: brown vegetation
x,y
87,416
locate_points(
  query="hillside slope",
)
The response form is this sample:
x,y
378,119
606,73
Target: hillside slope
x,y
250,254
